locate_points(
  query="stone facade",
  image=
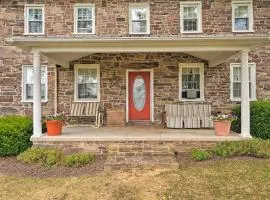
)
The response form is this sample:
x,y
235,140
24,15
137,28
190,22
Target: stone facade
x,y
112,20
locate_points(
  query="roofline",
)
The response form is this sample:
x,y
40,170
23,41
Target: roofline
x,y
123,39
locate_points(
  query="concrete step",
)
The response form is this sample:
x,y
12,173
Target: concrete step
x,y
137,162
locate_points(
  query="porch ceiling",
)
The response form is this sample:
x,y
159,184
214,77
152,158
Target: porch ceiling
x,y
61,51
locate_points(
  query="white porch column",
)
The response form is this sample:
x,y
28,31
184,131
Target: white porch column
x,y
37,126
245,105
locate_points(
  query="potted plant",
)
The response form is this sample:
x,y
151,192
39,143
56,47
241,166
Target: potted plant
x,y
222,123
54,124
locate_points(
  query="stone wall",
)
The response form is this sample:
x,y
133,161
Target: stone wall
x,y
112,20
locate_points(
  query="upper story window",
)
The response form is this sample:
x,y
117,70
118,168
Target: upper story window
x,y
191,17
242,16
84,19
191,82
28,83
34,19
236,81
139,19
87,83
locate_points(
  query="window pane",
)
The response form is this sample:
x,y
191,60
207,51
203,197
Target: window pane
x,y
35,14
241,24
29,91
241,12
85,27
236,90
87,91
84,14
35,26
139,26
139,13
190,25
191,82
190,12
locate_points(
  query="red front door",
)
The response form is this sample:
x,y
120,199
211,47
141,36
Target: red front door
x,y
139,96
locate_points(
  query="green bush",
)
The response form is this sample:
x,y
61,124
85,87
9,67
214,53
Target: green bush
x,y
78,159
256,148
15,133
44,156
200,155
259,119
52,156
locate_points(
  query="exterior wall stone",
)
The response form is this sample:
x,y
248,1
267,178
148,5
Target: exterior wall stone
x,y
112,20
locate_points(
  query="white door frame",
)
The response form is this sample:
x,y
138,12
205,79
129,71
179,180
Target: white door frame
x,y
151,91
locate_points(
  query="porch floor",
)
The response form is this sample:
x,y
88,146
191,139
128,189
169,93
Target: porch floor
x,y
134,133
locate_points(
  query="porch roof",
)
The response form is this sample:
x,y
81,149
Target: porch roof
x,y
215,49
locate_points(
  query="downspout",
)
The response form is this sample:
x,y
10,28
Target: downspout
x,y
55,90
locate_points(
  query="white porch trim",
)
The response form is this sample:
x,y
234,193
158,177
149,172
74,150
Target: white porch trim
x,y
37,110
245,104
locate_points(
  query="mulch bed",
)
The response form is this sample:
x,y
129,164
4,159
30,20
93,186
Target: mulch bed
x,y
11,166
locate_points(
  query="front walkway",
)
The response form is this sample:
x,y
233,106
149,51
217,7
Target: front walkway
x,y
134,133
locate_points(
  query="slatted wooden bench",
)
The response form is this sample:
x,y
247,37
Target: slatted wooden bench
x,y
188,116
90,109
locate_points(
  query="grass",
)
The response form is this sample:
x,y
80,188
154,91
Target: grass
x,y
223,179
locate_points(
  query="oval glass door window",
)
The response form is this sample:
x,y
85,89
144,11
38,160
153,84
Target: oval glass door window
x,y
139,93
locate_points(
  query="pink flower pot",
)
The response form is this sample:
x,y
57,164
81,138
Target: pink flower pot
x,y
222,127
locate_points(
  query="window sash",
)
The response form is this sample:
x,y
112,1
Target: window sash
x,y
242,16
28,83
84,19
236,82
87,84
34,20
139,17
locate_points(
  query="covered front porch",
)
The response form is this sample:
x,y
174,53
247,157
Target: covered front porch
x,y
213,50
135,133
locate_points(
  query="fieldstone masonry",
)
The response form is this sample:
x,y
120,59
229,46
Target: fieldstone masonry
x,y
112,20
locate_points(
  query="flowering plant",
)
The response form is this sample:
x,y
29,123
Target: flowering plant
x,y
59,117
223,117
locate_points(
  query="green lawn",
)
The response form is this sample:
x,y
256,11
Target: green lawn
x,y
226,179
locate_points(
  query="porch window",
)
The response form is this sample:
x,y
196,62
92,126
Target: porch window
x,y
84,18
242,16
191,82
236,81
191,17
34,17
28,83
87,83
139,19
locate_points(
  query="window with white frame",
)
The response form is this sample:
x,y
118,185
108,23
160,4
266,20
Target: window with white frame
x,y
34,23
236,81
87,82
191,17
28,83
242,16
84,19
191,81
139,19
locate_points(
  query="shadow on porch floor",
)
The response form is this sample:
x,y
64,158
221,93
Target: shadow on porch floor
x,y
134,133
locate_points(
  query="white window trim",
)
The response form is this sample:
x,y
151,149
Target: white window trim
x,y
192,65
26,13
253,81
24,100
78,66
139,5
188,4
84,5
250,17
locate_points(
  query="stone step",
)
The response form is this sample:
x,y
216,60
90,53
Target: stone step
x,y
134,162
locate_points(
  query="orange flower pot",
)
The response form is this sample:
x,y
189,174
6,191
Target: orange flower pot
x,y
222,127
54,127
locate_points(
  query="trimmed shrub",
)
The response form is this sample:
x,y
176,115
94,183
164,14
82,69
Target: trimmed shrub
x,y
15,133
200,155
44,156
51,156
256,148
78,159
259,119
